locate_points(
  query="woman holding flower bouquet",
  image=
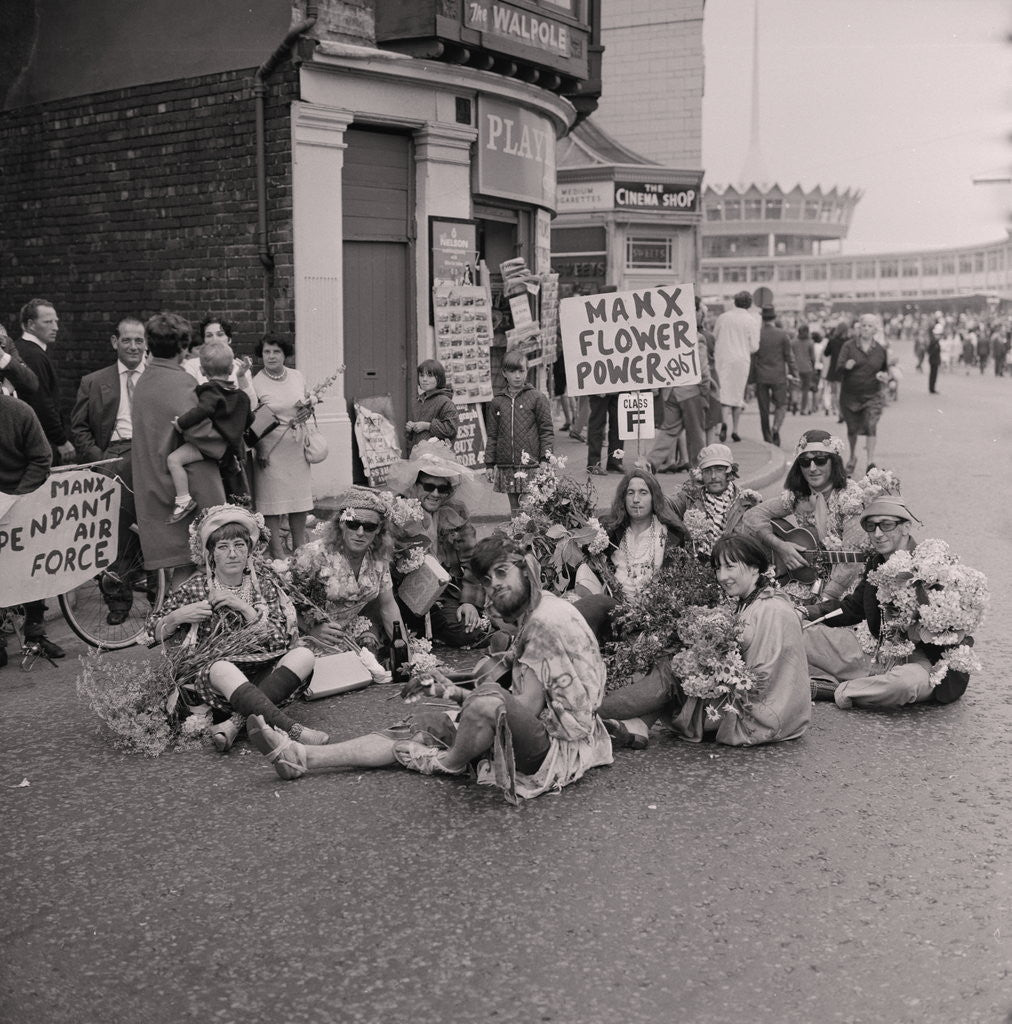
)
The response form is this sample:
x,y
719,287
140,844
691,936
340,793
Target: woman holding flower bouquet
x,y
742,678
284,486
239,654
914,608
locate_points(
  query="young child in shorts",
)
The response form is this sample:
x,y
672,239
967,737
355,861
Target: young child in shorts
x,y
227,409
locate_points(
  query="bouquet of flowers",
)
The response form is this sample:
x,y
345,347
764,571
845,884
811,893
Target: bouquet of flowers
x,y
306,405
712,667
928,596
137,704
646,627
556,523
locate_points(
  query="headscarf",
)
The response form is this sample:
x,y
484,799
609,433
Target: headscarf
x,y
360,499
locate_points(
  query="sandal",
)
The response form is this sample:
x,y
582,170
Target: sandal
x,y
287,756
622,736
223,735
420,757
851,466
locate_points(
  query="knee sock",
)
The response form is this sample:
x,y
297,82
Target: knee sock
x,y
280,684
248,700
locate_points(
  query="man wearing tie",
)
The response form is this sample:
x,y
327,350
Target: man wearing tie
x,y
39,328
101,428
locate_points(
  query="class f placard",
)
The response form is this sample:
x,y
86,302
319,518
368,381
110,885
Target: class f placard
x,y
629,341
636,415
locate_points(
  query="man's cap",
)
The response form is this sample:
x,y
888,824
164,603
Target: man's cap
x,y
888,505
769,313
715,455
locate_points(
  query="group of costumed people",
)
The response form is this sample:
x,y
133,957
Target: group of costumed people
x,y
673,610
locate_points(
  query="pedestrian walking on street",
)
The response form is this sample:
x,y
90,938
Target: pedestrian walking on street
x,y
773,371
866,374
934,350
736,339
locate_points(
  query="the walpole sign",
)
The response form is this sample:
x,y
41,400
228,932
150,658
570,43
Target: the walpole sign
x,y
629,341
518,25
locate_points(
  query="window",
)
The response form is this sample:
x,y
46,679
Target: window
x,y
992,260
711,275
753,209
841,271
966,264
930,265
714,211
888,268
816,272
732,209
811,209
579,240
827,210
908,268
648,252
864,269
948,264
793,209
761,272
978,261
734,274
774,208
789,272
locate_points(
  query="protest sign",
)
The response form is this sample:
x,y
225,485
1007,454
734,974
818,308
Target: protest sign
x,y
629,341
58,536
636,416
471,437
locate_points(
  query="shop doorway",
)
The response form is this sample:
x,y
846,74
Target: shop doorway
x,y
378,255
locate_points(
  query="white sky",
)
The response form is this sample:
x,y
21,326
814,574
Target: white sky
x,y
904,99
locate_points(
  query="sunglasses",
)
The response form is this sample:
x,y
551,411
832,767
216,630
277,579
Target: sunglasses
x,y
805,461
885,525
354,525
499,572
437,488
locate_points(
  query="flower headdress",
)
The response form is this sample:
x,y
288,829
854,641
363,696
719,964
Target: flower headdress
x,y
361,499
219,515
812,441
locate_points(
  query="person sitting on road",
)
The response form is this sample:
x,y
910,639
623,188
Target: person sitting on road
x,y
772,647
535,732
712,492
446,491
820,498
230,595
840,668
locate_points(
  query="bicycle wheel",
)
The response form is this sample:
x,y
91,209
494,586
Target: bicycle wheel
x,y
134,591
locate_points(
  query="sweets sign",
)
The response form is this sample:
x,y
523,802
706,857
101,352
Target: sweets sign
x,y
629,341
58,536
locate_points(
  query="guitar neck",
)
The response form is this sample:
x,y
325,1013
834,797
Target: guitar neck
x,y
835,557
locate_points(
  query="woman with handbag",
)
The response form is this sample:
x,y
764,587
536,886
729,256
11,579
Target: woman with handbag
x,y
284,486
351,560
232,607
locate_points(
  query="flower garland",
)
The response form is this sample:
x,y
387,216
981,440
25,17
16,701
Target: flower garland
x,y
927,596
712,667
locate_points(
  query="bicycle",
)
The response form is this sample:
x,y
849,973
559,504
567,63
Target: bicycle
x,y
86,608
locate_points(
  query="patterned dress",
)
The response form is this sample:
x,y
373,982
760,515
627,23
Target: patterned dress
x,y
348,593
282,634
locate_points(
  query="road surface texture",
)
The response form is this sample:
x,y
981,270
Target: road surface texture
x,y
859,875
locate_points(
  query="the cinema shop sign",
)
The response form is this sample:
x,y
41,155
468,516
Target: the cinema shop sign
x,y
521,26
656,196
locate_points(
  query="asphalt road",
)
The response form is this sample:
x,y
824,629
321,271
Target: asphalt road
x,y
858,875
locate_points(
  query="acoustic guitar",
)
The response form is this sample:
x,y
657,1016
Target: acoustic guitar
x,y
814,552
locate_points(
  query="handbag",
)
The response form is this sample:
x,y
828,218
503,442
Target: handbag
x,y
314,444
264,421
337,673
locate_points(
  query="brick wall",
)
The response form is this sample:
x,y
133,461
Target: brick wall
x,y
659,114
143,199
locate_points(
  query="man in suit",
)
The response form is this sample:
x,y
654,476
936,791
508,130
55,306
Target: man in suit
x,y
102,428
39,328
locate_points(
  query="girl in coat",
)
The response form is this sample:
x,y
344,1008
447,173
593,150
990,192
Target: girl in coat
x,y
519,424
436,416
